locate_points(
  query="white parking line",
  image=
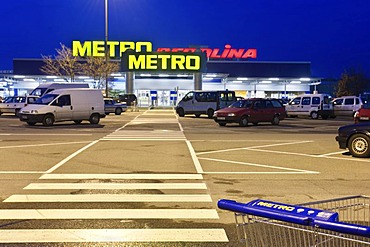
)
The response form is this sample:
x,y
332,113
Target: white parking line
x,y
113,235
41,145
115,186
253,147
48,214
128,176
260,165
111,198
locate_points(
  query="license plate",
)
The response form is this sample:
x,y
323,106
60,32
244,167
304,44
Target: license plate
x,y
220,118
364,118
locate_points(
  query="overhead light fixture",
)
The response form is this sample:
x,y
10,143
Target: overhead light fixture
x,y
266,82
19,76
51,77
89,80
305,79
163,75
295,82
273,79
242,78
210,75
28,79
115,74
236,81
145,75
83,77
60,80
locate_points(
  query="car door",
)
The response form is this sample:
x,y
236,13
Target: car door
x,y
348,106
258,112
294,106
63,108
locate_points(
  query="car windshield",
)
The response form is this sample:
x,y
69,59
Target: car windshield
x,y
241,104
46,99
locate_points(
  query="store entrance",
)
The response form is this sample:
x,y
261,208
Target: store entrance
x,y
159,98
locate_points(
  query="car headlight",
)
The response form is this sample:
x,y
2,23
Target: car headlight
x,y
231,114
34,112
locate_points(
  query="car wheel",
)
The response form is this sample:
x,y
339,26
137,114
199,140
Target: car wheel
x,y
243,121
197,115
118,111
48,120
314,115
94,118
222,124
210,113
181,112
31,123
77,121
275,120
359,145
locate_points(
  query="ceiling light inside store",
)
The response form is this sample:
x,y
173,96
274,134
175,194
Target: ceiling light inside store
x,y
145,75
295,82
28,79
266,82
19,76
164,75
210,75
242,78
236,81
274,79
305,79
60,80
51,77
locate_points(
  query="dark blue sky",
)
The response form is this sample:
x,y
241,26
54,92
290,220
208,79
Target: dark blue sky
x,y
332,35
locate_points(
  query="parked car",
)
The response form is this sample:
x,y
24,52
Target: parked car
x,y
355,137
112,106
13,104
253,111
129,98
312,105
363,114
347,105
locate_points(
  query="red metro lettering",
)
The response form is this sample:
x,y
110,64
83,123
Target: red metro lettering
x,y
227,53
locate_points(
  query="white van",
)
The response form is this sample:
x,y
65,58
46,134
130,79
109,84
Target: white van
x,y
347,105
65,105
204,102
312,105
45,88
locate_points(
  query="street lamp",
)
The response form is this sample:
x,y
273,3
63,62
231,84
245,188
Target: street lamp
x,y
106,47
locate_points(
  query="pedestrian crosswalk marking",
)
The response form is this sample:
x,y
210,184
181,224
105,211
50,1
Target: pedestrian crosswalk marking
x,y
112,235
145,135
48,214
110,198
138,176
115,186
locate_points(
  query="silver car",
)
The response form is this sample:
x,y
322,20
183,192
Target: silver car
x,y
13,104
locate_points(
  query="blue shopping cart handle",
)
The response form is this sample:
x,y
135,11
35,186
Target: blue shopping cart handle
x,y
276,215
343,227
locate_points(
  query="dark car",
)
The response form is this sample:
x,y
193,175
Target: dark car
x,y
355,137
251,111
112,106
129,98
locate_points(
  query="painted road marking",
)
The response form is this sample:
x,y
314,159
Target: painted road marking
x,y
115,186
52,214
146,135
71,156
113,235
123,176
41,145
260,165
110,198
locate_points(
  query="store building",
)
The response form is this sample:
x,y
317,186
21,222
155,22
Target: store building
x,y
221,71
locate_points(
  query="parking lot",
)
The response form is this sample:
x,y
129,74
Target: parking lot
x,y
297,161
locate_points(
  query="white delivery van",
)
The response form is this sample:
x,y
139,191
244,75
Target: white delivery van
x,y
347,105
204,102
45,88
65,105
312,105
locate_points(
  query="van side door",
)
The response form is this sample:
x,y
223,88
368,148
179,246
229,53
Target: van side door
x,y
63,109
294,106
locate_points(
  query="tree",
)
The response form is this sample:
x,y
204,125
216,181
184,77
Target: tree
x,y
99,70
64,64
351,83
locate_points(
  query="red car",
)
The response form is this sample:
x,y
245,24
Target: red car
x,y
363,114
253,111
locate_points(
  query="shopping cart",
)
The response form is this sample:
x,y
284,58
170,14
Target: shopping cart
x,y
337,222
